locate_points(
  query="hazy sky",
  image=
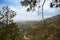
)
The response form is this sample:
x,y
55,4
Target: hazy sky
x,y
22,15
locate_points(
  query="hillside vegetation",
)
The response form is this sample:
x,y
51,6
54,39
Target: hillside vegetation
x,y
48,31
33,30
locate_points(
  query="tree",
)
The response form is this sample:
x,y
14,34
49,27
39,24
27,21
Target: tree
x,y
6,15
10,31
32,4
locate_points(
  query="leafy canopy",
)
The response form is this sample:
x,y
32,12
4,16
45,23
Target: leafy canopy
x,y
31,3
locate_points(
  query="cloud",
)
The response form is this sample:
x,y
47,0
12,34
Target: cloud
x,y
25,16
22,15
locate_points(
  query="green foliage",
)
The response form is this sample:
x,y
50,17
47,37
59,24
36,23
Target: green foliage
x,y
10,32
49,31
31,3
7,14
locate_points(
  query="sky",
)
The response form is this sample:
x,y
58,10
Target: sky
x,y
23,15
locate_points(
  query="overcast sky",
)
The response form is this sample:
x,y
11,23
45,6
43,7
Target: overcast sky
x,y
22,15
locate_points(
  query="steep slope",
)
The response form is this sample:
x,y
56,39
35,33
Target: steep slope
x,y
49,31
54,18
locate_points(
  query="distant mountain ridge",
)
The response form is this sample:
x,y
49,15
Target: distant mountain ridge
x,y
27,24
34,23
53,18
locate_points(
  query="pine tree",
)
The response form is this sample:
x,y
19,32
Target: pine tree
x,y
6,15
10,31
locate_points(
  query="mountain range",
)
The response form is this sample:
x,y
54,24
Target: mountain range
x,y
29,24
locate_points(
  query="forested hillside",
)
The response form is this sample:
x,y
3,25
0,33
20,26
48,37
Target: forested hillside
x,y
46,31
35,30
